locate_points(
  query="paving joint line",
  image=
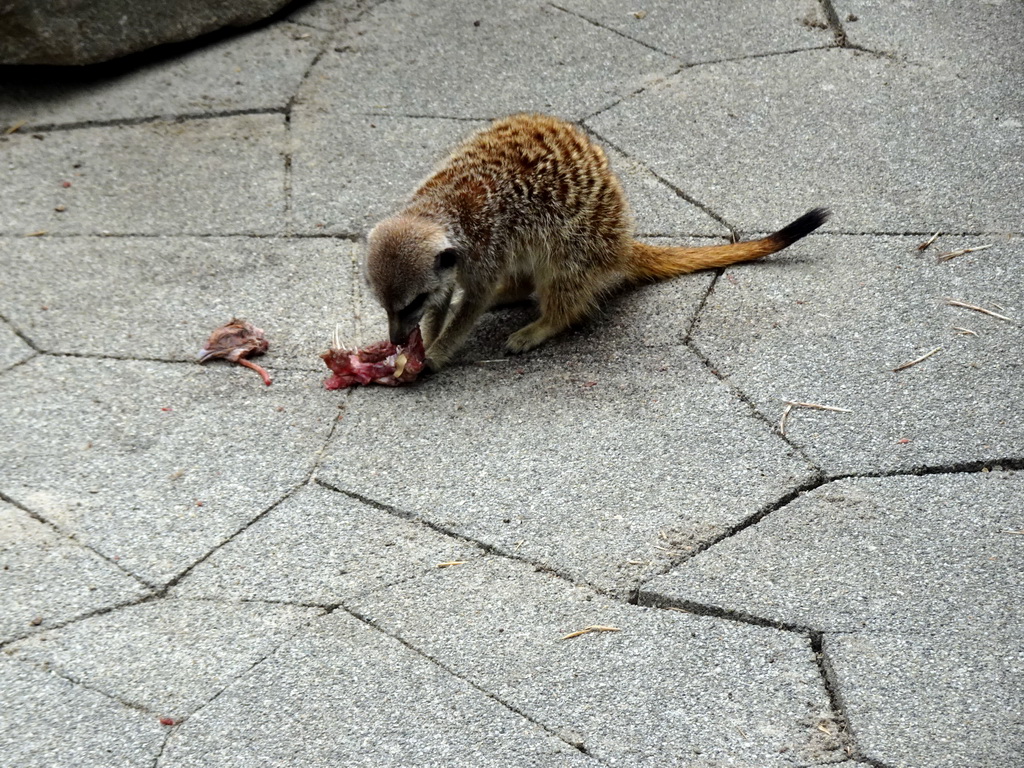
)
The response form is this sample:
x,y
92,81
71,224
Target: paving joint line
x,y
163,746
817,480
975,466
679,192
579,747
489,549
81,617
354,237
605,27
20,334
406,116
830,680
317,457
70,535
64,675
147,120
241,674
772,425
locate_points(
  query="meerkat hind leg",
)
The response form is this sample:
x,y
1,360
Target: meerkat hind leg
x,y
561,305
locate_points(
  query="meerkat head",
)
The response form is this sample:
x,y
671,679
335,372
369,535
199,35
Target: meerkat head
x,y
410,266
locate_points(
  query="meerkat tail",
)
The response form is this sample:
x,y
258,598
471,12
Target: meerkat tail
x,y
658,262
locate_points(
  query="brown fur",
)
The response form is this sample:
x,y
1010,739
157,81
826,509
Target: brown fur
x,y
528,204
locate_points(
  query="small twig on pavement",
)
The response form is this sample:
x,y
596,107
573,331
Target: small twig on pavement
x,y
918,360
953,254
923,246
785,417
592,628
1015,533
451,563
964,331
984,311
816,406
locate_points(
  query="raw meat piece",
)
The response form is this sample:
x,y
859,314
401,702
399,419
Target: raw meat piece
x,y
233,341
380,363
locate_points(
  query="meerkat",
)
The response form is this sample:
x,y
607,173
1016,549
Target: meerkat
x,y
527,205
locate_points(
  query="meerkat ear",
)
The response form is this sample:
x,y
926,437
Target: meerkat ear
x,y
446,259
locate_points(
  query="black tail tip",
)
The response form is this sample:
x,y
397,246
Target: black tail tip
x,y
806,224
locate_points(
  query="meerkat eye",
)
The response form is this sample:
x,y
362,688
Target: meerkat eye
x,y
415,305
446,259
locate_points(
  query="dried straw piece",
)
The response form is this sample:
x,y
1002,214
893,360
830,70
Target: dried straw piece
x,y
451,563
984,311
964,331
918,360
953,254
592,628
16,127
1015,533
817,406
923,246
784,419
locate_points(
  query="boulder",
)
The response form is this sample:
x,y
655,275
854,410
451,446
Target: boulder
x,y
90,31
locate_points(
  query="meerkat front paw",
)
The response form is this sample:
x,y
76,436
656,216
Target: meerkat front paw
x,y
527,338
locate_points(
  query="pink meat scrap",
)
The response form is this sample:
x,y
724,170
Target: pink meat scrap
x,y
380,363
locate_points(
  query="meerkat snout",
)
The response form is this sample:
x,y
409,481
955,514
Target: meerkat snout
x,y
410,267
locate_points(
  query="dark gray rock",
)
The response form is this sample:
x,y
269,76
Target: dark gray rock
x,y
90,31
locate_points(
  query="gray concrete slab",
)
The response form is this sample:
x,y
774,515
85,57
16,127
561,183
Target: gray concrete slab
x,y
704,31
776,332
160,297
657,208
525,458
153,464
980,41
350,171
908,554
752,139
614,452
13,349
399,59
48,579
941,700
218,176
168,657
320,546
345,694
49,721
666,689
259,69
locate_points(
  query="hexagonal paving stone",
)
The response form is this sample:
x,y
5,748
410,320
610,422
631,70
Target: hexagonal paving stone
x,y
161,462
163,296
708,31
663,688
631,451
49,721
761,140
830,327
219,176
48,579
321,546
170,656
935,700
918,554
404,59
257,69
345,694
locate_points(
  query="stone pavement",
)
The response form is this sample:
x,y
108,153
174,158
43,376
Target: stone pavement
x,y
201,571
